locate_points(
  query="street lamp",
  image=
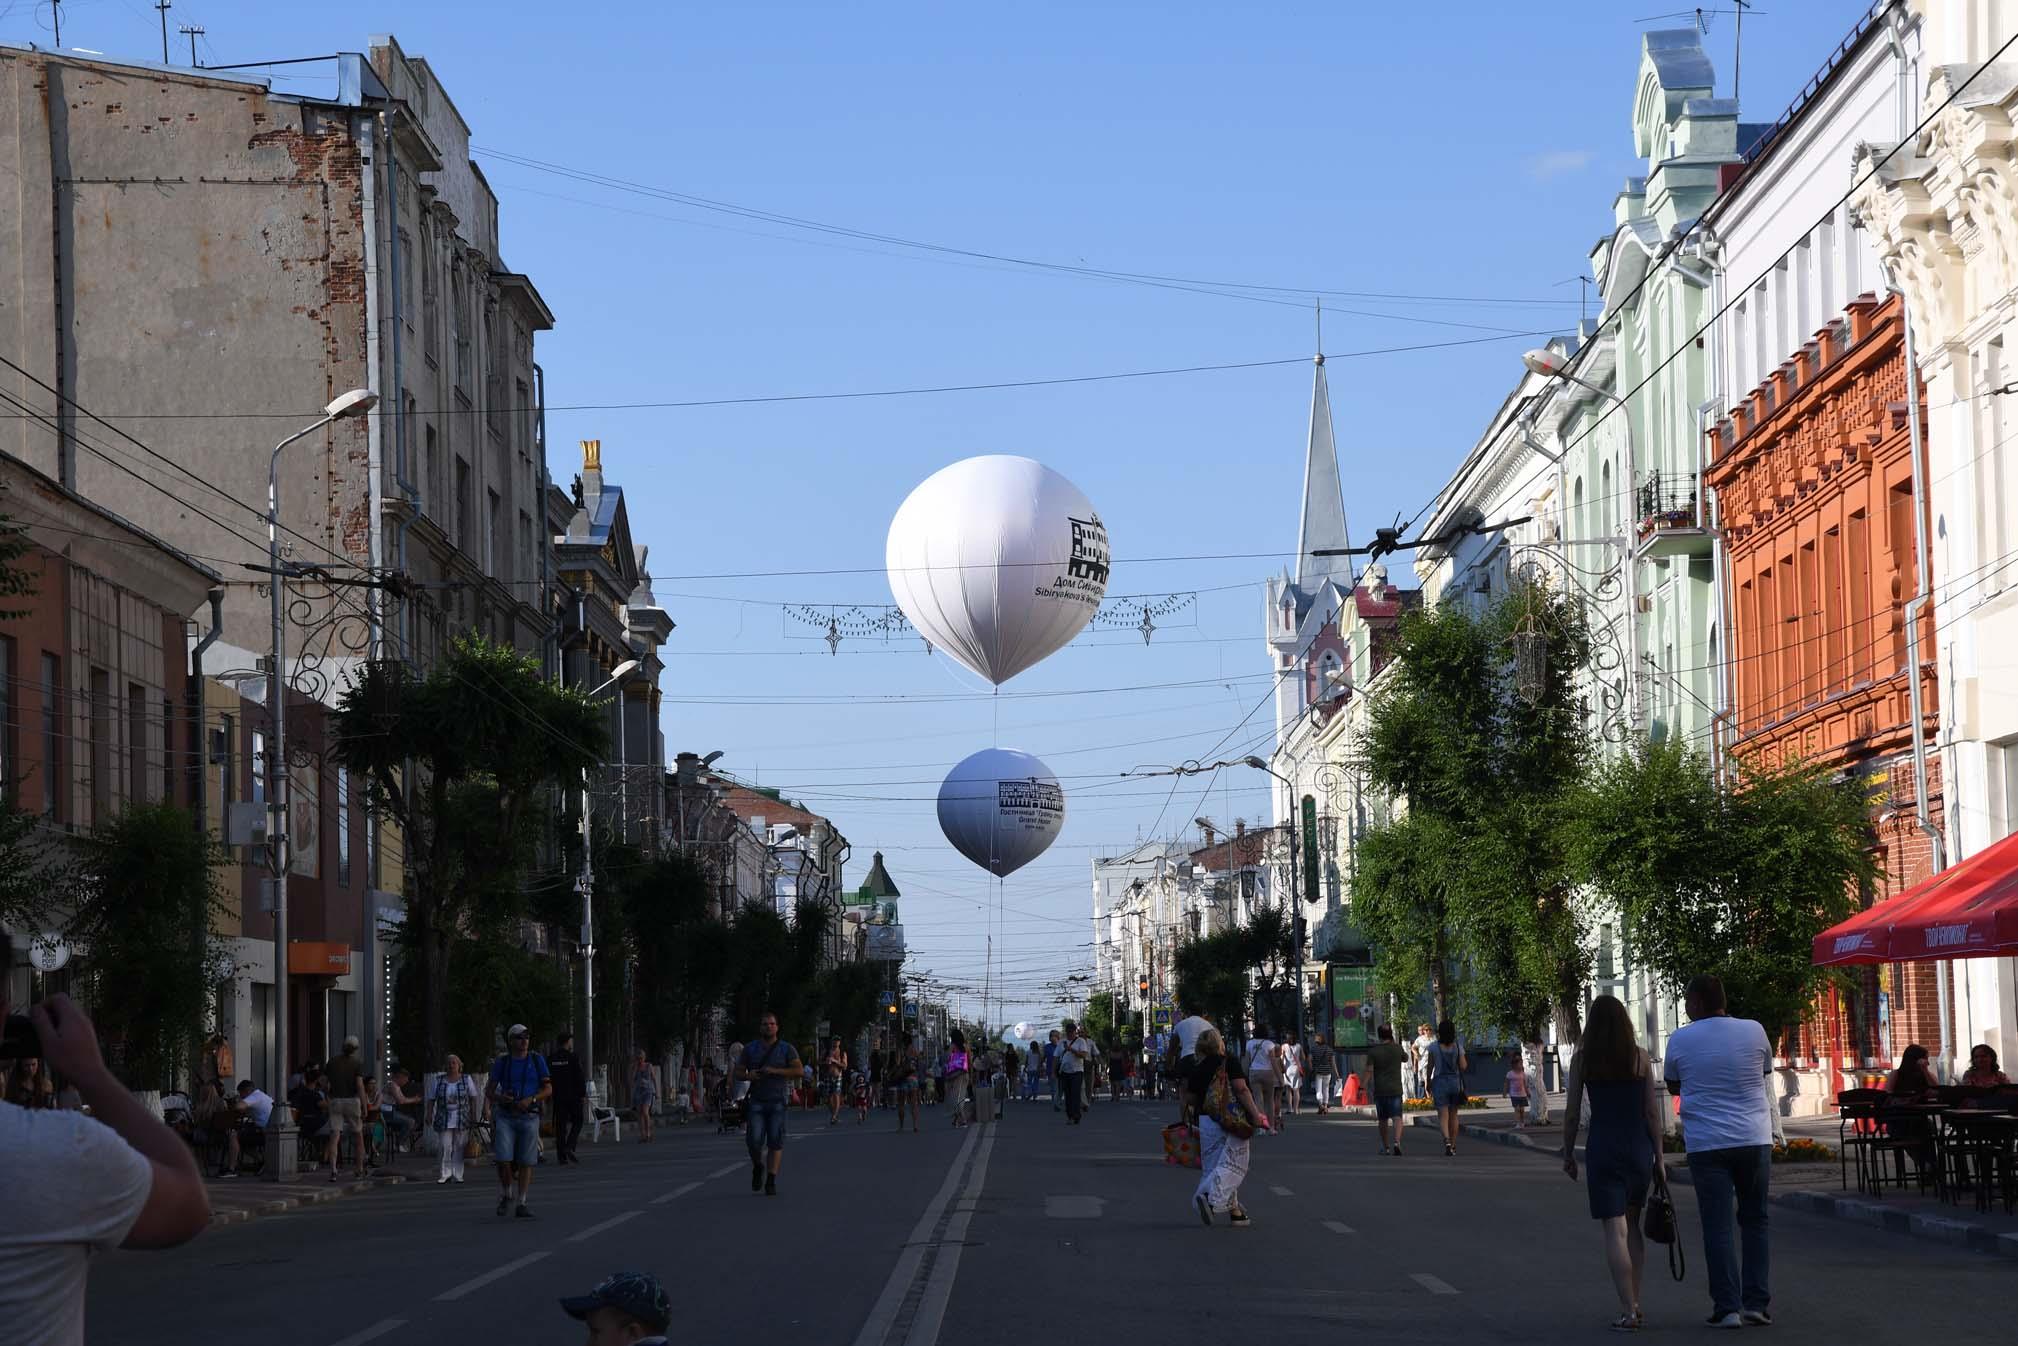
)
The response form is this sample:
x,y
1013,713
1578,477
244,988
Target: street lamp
x,y
280,1132
587,883
1548,364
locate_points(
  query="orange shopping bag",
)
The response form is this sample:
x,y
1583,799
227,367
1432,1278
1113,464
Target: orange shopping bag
x,y
1180,1145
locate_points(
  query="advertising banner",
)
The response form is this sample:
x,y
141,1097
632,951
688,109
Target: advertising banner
x,y
1352,1006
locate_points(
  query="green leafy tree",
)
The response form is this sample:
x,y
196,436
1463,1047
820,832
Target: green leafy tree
x,y
774,964
1735,879
25,873
682,951
1479,730
1218,974
147,905
464,760
1099,1019
851,997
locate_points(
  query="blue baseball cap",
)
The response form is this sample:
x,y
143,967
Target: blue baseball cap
x,y
632,1293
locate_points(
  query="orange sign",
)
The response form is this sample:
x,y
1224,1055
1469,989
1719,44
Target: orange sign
x,y
314,958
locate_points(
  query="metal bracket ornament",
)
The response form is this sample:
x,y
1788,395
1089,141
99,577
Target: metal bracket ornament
x,y
1544,571
329,631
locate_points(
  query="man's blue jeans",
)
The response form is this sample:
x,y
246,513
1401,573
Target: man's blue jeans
x,y
764,1129
1727,1182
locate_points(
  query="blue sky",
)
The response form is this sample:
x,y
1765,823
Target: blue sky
x,y
1464,150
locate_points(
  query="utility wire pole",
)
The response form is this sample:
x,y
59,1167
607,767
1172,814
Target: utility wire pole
x,y
192,31
164,6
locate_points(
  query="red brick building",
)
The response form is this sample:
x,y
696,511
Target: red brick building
x,y
1813,472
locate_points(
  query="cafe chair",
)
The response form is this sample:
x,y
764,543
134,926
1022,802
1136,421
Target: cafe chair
x,y
1857,1128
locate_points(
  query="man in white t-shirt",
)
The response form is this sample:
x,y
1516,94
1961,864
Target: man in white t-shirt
x,y
1182,1054
75,1185
1719,1067
1074,1051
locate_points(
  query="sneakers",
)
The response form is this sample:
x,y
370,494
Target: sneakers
x,y
1204,1210
1396,1150
504,1204
442,1181
1732,1321
771,1185
756,1177
1756,1318
524,1211
1239,1219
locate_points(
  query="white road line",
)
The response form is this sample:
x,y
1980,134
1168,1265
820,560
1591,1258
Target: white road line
x,y
946,1267
725,1170
610,1223
876,1328
675,1194
1337,1228
372,1333
494,1274
1432,1284
1282,1191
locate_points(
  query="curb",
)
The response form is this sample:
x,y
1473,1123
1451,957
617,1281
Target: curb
x,y
1954,1232
307,1196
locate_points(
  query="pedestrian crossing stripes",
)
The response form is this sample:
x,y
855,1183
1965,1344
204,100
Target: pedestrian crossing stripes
x,y
1337,1227
1432,1284
372,1333
676,1193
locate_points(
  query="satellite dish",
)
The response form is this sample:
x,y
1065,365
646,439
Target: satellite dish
x,y
1001,809
999,561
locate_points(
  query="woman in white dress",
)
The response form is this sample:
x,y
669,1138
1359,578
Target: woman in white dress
x,y
451,1111
1292,1075
1263,1060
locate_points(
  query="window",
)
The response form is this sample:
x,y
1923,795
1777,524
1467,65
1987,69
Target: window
x,y
1857,580
223,757
406,277
2004,770
493,532
525,562
101,747
8,771
136,743
168,750
522,406
431,482
462,504
430,309
1835,611
343,827
458,315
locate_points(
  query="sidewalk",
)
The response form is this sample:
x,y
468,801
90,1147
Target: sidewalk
x,y
1816,1188
236,1200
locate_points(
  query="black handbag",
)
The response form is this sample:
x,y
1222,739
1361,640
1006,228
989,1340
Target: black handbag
x,y
1658,1224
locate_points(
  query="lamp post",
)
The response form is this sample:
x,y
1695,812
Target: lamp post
x,y
587,884
1549,365
280,1131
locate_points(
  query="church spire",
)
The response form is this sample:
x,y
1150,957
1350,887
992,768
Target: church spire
x,y
1323,521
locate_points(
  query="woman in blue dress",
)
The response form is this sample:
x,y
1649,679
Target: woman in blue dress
x,y
1447,1066
1621,1155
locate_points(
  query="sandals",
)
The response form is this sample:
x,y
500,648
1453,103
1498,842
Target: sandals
x,y
1628,1322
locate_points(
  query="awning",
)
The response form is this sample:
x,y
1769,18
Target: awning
x,y
1968,910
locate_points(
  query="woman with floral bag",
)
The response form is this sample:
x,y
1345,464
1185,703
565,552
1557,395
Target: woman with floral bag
x,y
452,1109
1217,1091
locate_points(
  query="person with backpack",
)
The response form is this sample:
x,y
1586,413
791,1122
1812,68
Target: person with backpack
x,y
1217,1092
1447,1065
520,1084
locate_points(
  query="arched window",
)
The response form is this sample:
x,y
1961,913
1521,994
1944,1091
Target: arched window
x,y
1607,506
1578,527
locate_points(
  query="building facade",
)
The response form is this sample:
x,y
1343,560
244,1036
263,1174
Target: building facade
x,y
1942,215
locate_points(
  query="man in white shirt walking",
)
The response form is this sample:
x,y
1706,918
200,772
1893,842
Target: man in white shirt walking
x,y
1719,1066
75,1185
1074,1051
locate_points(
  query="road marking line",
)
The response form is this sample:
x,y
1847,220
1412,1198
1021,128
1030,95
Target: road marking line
x,y
1282,1191
946,1266
610,1223
1337,1228
494,1274
876,1328
1432,1284
725,1170
675,1194
372,1333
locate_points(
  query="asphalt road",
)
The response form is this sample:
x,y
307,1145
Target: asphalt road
x,y
1009,1233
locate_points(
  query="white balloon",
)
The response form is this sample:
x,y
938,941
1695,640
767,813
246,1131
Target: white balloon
x,y
1001,809
1022,1032
998,561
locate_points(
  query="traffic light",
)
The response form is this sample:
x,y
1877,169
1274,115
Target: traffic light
x,y
890,1007
1142,985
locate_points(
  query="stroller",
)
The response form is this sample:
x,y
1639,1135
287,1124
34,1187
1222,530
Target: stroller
x,y
729,1114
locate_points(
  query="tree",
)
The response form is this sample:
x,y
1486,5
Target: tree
x,y
1480,731
851,997
1217,974
682,950
463,760
147,907
25,875
1099,1019
1735,879
774,964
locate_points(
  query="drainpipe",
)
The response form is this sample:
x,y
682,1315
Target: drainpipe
x,y
550,643
402,431
1922,596
364,127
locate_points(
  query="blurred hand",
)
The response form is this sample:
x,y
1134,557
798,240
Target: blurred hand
x,y
1570,1167
69,1042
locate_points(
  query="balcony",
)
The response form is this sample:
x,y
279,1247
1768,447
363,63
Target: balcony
x,y
1668,516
